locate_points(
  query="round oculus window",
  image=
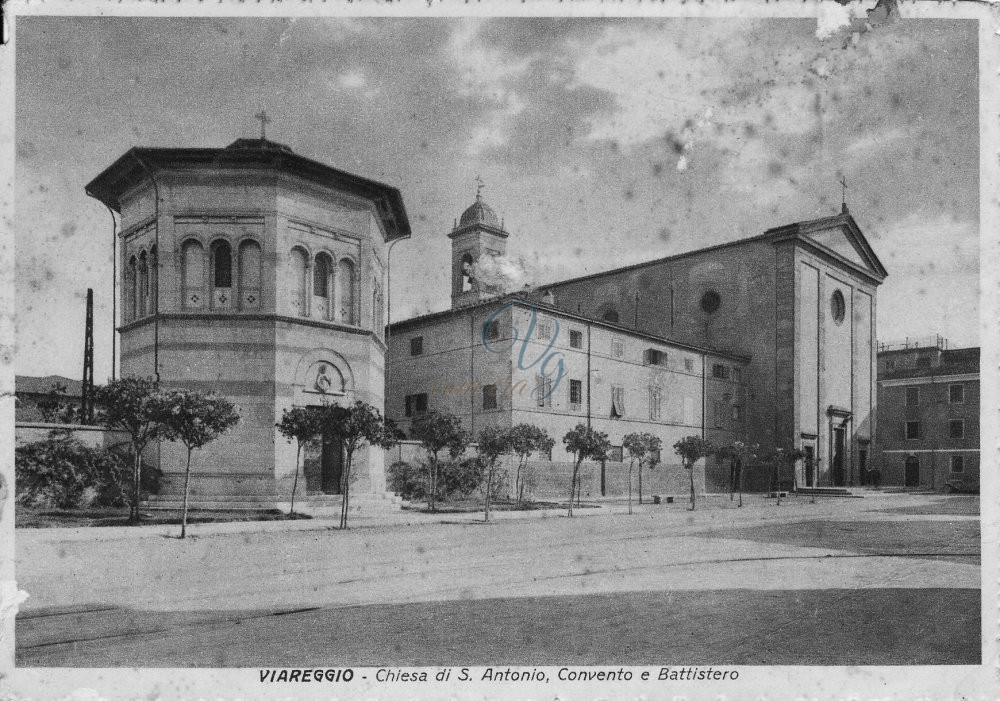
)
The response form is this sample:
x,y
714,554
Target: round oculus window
x,y
710,302
837,306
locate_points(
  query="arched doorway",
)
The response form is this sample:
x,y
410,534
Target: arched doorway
x,y
911,476
331,462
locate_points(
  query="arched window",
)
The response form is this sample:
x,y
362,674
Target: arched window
x,y
345,284
322,271
193,257
298,281
249,275
466,272
610,315
154,276
222,275
142,286
128,289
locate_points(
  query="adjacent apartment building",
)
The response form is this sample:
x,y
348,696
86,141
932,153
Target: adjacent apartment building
x,y
928,415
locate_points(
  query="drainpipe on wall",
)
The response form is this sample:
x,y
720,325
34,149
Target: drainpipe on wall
x,y
589,332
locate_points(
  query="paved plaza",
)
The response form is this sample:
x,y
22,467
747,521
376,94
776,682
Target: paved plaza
x,y
887,579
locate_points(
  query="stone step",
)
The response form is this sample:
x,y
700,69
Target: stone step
x,y
827,492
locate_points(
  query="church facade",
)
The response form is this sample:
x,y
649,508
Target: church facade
x,y
260,275
791,312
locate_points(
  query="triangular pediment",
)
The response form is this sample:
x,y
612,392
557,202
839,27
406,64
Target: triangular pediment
x,y
839,240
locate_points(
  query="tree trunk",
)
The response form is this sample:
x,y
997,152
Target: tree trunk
x,y
732,477
640,481
692,486
295,482
572,487
777,484
432,478
187,483
345,488
489,488
518,487
133,512
630,463
740,478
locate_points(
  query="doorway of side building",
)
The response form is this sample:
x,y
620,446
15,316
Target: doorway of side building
x,y
331,464
911,477
839,450
809,465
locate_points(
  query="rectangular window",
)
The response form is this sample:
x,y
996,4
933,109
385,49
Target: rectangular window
x,y
416,404
956,394
576,339
720,414
912,430
737,413
615,454
543,391
688,364
575,394
912,396
655,357
492,331
618,348
890,365
957,463
737,373
689,411
544,329
720,371
923,362
417,345
956,428
655,403
490,397
617,402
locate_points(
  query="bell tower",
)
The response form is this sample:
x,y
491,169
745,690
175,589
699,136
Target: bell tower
x,y
478,235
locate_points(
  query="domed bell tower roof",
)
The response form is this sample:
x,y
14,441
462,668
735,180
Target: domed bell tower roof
x,y
479,213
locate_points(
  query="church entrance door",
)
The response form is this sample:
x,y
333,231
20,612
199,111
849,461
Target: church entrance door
x,y
839,445
331,464
912,476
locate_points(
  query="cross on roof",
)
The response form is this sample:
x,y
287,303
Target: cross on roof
x,y
843,195
479,187
264,120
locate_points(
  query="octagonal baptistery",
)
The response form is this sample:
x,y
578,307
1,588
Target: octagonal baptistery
x,y
260,275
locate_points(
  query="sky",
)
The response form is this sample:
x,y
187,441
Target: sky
x,y
602,143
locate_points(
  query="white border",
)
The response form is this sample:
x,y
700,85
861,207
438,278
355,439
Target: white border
x,y
755,682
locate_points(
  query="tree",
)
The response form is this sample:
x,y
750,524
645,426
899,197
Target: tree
x,y
437,431
584,442
302,425
355,427
778,459
740,454
195,419
137,407
644,447
691,449
494,443
51,406
526,439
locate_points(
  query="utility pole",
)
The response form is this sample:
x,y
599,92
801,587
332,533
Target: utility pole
x,y
87,393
